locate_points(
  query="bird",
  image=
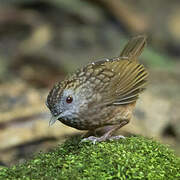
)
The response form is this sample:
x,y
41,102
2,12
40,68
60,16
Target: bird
x,y
101,96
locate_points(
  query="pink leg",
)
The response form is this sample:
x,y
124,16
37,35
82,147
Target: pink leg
x,y
107,135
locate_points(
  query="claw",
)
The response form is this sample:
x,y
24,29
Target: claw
x,y
116,137
93,139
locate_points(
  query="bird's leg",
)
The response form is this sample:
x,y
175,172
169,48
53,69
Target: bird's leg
x,y
108,134
97,132
89,133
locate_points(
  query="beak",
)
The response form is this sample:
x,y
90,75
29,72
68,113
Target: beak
x,y
53,120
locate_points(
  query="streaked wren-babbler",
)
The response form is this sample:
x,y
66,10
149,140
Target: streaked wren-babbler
x,y
101,95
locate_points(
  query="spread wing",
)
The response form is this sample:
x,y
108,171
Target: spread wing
x,y
121,79
130,78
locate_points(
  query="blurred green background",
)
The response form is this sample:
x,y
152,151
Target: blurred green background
x,y
41,41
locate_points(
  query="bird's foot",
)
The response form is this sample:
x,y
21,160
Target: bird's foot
x,y
116,137
94,139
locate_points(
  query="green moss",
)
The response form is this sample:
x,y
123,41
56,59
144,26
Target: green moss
x,y
130,158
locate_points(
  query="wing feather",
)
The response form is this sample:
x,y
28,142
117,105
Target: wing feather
x,y
126,77
127,83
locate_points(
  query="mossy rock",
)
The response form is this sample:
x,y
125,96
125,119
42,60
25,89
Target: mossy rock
x,y
130,158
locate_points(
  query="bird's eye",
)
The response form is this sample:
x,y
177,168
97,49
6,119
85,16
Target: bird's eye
x,y
69,99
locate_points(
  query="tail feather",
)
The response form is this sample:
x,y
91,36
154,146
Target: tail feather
x,y
134,48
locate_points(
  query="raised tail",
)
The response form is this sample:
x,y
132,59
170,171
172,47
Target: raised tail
x,y
134,48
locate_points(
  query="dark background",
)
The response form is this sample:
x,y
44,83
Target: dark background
x,y
41,41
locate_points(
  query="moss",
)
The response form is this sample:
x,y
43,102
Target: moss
x,y
130,158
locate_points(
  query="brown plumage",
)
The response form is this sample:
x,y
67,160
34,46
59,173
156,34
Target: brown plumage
x,y
101,95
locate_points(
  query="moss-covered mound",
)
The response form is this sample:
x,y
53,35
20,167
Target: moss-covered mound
x,y
130,158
